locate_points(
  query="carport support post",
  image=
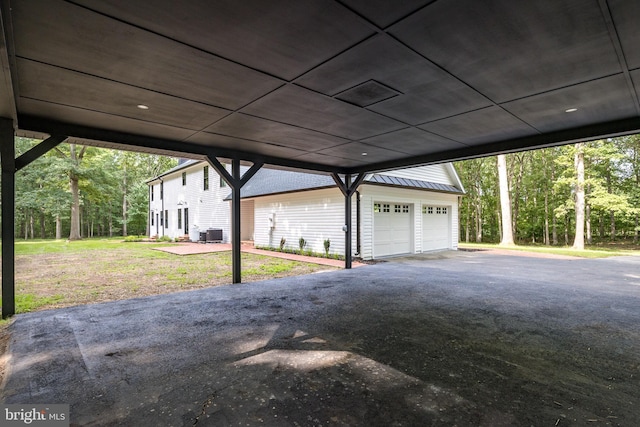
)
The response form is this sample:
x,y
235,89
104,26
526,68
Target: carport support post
x,y
347,188
236,182
7,159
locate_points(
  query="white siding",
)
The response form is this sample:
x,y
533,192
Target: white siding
x,y
207,208
432,173
314,215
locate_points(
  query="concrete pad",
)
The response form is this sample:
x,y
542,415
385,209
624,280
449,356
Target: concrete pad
x,y
455,339
190,248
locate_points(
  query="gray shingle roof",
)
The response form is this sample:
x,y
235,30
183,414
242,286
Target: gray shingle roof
x,y
271,181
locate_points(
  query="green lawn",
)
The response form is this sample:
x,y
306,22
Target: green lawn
x,y
592,252
59,273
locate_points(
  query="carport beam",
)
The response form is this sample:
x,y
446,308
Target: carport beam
x,y
7,159
347,188
236,181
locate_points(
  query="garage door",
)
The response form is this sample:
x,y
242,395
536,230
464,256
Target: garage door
x,y
436,233
392,229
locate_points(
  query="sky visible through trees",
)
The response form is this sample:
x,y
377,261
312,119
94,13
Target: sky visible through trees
x,y
112,194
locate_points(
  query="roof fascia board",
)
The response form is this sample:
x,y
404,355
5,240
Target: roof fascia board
x,y
162,146
563,137
7,66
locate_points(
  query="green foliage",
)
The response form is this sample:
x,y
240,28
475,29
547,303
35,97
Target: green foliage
x,y
164,239
283,242
542,185
327,245
112,189
302,243
133,238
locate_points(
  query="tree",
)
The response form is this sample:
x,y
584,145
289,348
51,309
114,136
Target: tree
x,y
578,242
505,202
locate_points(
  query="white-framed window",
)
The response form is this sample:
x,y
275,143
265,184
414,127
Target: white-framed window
x,y
376,208
184,178
397,208
444,211
405,208
438,210
386,208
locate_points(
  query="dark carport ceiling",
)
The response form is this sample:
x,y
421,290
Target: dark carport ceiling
x,y
350,85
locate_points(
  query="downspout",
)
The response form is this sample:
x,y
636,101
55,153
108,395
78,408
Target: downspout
x,y
358,224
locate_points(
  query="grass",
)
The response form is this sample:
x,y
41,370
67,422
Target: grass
x,y
591,252
59,273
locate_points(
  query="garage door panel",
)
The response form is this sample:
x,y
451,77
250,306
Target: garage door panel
x,y
436,231
392,229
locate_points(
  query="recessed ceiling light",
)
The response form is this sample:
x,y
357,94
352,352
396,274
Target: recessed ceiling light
x,y
570,110
143,107
364,154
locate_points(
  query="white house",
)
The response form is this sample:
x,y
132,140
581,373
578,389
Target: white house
x,y
403,211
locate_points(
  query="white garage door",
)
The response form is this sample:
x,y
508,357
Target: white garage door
x,y
436,233
392,229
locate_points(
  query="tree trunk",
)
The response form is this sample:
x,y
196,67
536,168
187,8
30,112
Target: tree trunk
x,y
588,223
43,230
546,219
31,225
467,224
612,216
566,229
505,202
74,233
635,234
58,227
578,242
479,221
124,203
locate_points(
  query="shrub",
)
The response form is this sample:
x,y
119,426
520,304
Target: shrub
x,y
302,243
133,239
165,239
327,245
283,242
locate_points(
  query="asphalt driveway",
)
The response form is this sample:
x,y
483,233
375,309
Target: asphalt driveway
x,y
466,338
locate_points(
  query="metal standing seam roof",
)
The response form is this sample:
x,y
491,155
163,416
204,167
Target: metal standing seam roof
x,y
269,181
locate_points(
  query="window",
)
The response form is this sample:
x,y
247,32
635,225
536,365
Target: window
x,y
386,208
161,219
424,209
223,183
179,219
166,219
152,219
438,211
184,178
152,187
444,211
376,208
396,208
405,208
161,190
205,178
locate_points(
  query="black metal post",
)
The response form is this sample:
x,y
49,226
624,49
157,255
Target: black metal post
x,y
236,181
7,159
347,221
236,258
348,188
